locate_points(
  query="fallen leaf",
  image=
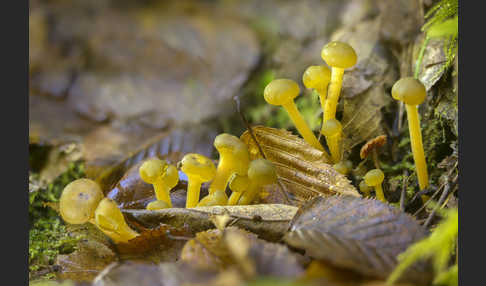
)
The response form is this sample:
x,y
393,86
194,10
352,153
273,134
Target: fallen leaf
x,y
303,170
362,117
233,247
363,235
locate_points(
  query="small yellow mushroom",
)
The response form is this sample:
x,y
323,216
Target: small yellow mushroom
x,y
233,158
110,220
339,56
199,169
79,200
162,176
318,78
374,178
343,167
365,189
238,184
412,92
281,92
332,129
157,205
260,173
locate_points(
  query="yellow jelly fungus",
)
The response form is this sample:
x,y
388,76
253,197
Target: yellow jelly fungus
x,y
260,173
162,176
318,78
374,178
110,220
412,92
332,129
339,56
281,92
157,205
217,198
343,167
199,169
79,200
238,184
365,189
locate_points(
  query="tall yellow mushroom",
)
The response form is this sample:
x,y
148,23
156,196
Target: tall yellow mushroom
x,y
412,92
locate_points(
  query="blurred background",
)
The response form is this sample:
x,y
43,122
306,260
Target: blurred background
x,y
110,77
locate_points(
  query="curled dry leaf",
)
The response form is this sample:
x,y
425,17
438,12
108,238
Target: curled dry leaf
x,y
374,143
303,170
269,221
232,247
363,235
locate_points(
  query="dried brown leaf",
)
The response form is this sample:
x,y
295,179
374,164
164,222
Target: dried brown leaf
x,y
233,247
303,170
269,221
362,116
363,235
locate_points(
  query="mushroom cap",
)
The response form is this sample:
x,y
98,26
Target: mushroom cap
x,y
343,167
152,169
409,90
262,172
157,205
331,127
239,183
79,200
198,166
339,54
170,176
364,188
374,177
317,77
281,91
108,215
235,150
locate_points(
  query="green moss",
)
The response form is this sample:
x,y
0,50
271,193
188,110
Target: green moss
x,y
47,235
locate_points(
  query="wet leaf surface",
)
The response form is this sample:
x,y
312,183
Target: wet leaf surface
x,y
359,234
302,169
268,221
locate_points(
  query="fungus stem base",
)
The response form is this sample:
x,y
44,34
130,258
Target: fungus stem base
x,y
193,191
334,92
334,147
379,193
162,192
223,174
417,146
233,199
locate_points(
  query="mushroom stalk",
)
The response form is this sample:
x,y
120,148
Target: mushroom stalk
x,y
193,191
162,191
417,146
334,92
379,193
302,126
247,197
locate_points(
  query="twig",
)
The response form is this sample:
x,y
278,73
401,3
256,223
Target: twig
x,y
282,188
441,200
426,203
236,98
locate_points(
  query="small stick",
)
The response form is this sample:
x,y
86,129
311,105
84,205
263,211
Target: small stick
x,y
441,200
282,188
428,201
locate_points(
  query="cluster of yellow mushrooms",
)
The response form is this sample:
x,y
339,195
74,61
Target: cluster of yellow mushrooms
x,y
83,201
327,83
